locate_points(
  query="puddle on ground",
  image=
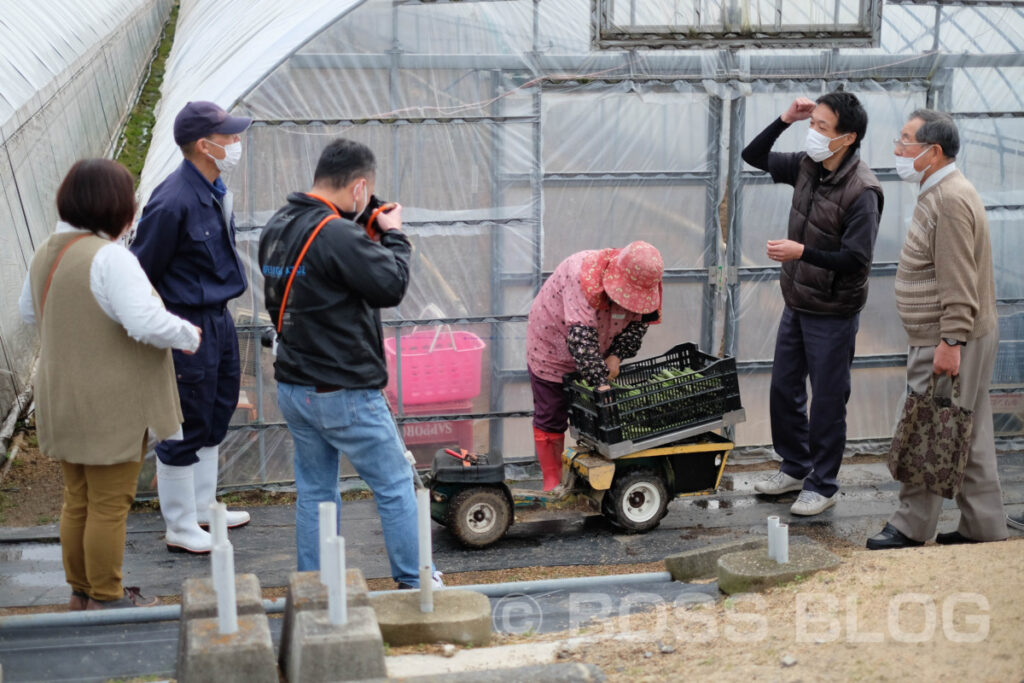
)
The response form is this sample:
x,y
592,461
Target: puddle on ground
x,y
41,552
12,554
30,588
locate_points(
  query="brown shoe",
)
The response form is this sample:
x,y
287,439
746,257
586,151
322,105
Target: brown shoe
x,y
132,598
79,601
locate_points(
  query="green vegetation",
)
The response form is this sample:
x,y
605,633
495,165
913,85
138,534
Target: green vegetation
x,y
673,397
138,130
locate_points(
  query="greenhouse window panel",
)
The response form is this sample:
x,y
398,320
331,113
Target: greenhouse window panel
x,y
711,24
959,3
391,120
399,3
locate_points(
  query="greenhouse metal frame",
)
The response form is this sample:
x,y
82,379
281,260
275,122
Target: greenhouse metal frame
x,y
722,276
514,135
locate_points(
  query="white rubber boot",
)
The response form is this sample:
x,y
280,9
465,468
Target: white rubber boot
x,y
206,489
178,506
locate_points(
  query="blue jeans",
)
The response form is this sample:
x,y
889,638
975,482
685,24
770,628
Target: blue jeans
x,y
357,423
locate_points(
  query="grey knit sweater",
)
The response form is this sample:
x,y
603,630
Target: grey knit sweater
x,y
944,283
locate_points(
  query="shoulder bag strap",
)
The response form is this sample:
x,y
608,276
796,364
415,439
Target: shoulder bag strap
x,y
53,269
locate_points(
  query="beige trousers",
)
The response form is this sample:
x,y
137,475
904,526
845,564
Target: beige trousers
x,y
980,500
93,525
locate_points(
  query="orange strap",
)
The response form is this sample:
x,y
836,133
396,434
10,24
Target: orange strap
x,y
298,261
53,269
383,208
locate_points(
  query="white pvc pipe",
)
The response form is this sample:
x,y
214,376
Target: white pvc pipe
x,y
337,600
782,553
426,565
328,529
218,522
773,527
223,557
132,615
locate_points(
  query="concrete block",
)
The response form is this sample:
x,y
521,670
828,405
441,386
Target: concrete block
x,y
702,563
199,600
322,652
753,570
459,616
246,656
306,593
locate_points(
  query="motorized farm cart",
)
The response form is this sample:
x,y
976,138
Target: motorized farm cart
x,y
648,439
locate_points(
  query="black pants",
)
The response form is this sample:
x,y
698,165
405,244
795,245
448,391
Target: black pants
x,y
208,384
821,348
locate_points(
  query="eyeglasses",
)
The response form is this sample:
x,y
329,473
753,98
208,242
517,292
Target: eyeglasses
x,y
900,144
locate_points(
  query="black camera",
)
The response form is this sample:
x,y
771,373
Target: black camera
x,y
371,206
368,217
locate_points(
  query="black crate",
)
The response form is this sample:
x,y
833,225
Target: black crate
x,y
489,469
659,407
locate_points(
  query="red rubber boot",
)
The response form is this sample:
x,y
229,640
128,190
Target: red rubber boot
x,y
549,453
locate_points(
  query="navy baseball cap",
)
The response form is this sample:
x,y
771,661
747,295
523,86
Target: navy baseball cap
x,y
199,119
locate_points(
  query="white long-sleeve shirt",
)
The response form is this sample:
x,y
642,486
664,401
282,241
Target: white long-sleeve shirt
x,y
124,293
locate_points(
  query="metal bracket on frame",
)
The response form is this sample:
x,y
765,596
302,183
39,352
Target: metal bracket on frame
x,y
721,276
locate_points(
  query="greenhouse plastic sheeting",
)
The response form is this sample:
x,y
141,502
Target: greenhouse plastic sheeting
x,y
222,48
69,72
512,142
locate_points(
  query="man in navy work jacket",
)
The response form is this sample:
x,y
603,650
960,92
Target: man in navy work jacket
x,y
186,244
330,351
826,259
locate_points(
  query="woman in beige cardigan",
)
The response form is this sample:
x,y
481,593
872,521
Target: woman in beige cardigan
x,y
105,378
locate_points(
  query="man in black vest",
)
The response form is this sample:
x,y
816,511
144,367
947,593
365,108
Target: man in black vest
x,y
837,202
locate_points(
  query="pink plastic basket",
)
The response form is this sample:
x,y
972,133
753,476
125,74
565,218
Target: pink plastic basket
x,y
437,366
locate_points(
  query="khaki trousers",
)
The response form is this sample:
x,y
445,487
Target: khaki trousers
x,y
93,525
980,500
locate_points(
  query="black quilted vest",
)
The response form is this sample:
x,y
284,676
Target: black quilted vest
x,y
816,220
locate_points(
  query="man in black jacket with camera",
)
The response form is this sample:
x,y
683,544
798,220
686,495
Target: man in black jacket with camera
x,y
330,364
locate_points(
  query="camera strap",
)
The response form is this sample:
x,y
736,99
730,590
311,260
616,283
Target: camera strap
x,y
370,231
302,255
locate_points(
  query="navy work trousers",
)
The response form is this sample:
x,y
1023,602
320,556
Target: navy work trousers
x,y
208,384
820,348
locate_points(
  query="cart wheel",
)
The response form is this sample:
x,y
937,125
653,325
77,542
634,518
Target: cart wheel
x,y
479,516
637,500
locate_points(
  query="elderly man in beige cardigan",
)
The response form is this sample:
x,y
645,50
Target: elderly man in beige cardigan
x,y
945,294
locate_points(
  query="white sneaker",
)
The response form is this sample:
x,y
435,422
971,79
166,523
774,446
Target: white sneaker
x,y
435,578
780,482
811,503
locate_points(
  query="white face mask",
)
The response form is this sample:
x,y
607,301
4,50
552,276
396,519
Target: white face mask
x,y
905,167
366,202
817,144
232,155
